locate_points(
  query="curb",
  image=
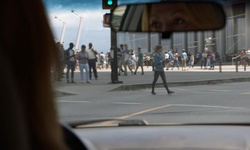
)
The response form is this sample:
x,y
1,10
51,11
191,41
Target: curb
x,y
175,84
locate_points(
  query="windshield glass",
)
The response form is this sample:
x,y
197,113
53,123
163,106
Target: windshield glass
x,y
192,77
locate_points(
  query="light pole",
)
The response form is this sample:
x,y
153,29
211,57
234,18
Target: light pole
x,y
63,29
79,29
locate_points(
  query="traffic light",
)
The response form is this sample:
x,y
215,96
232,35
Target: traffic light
x,y
106,20
109,4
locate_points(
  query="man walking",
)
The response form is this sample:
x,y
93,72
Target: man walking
x,y
120,59
139,61
83,63
92,61
125,58
70,61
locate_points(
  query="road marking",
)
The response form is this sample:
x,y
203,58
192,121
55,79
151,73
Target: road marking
x,y
135,114
209,106
221,90
120,103
63,101
211,91
183,89
202,92
127,103
245,93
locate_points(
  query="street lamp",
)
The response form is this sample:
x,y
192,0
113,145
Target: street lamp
x,y
79,29
63,29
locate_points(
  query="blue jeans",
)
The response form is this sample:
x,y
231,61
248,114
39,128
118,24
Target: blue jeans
x,y
205,62
86,67
212,64
70,66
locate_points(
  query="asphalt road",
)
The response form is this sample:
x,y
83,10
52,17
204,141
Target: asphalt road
x,y
229,102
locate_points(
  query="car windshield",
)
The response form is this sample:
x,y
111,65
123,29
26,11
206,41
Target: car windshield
x,y
207,73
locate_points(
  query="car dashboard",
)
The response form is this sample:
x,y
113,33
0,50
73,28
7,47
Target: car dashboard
x,y
180,137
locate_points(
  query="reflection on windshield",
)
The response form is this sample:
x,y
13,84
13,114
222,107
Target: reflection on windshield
x,y
117,17
180,17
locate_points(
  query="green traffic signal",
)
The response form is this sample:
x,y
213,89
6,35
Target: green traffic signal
x,y
110,2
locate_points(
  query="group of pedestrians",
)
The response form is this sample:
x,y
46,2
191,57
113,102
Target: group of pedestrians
x,y
186,60
244,57
127,59
86,60
208,60
173,59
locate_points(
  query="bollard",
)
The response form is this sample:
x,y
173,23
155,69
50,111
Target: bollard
x,y
220,68
236,65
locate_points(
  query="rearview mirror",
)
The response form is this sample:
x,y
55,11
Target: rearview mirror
x,y
168,17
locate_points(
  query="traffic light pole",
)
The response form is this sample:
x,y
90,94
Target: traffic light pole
x,y
111,4
114,64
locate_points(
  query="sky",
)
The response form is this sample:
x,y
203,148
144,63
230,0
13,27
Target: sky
x,y
92,26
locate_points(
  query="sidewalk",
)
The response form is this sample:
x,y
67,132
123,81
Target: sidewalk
x,y
175,77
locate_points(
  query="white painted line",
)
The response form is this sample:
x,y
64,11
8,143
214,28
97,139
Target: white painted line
x,y
247,93
127,103
202,92
183,89
221,90
123,103
208,106
63,101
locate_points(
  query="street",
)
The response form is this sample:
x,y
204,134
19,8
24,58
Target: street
x,y
190,104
